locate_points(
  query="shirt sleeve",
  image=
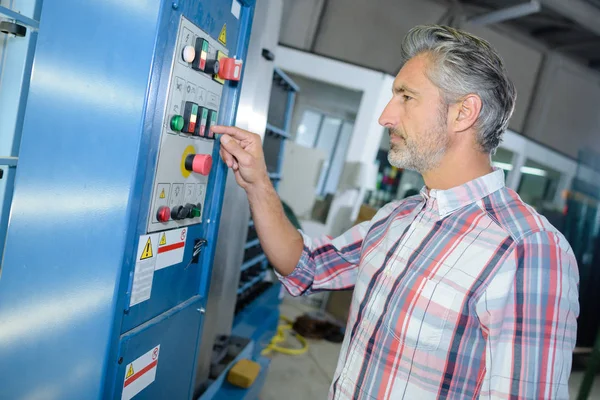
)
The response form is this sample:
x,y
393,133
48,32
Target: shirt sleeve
x,y
528,315
330,264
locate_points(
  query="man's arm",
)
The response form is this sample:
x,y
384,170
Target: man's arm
x,y
281,242
304,265
528,315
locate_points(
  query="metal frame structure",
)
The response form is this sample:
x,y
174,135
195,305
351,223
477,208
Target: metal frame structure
x,y
88,151
16,63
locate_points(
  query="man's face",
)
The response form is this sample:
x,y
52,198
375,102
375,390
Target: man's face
x,y
416,118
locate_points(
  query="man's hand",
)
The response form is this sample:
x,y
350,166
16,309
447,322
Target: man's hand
x,y
242,151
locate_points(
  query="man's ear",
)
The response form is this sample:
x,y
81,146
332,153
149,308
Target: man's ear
x,y
467,111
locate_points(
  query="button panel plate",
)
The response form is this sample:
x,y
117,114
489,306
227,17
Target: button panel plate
x,y
191,87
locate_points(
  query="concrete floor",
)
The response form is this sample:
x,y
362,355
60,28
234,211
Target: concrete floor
x,y
308,376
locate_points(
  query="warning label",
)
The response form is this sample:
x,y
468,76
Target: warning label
x,y
147,253
223,35
171,248
143,274
162,194
140,373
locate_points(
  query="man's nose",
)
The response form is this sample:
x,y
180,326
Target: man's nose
x,y
388,118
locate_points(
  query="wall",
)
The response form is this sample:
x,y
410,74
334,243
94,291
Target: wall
x,y
522,63
557,98
566,114
375,41
299,22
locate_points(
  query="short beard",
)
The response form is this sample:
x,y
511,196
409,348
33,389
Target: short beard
x,y
424,152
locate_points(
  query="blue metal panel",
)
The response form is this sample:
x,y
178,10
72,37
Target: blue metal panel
x,y
88,150
74,197
231,95
175,284
177,334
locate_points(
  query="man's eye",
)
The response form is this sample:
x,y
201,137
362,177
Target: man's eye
x,y
406,98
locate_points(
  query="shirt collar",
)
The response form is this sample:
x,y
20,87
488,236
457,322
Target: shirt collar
x,y
452,199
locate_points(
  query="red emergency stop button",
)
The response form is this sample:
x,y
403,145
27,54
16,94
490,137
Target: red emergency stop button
x,y
199,163
163,214
230,69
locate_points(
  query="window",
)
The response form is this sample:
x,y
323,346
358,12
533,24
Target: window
x,y
332,136
538,184
309,128
503,159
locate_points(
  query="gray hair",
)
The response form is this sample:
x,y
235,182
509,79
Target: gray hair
x,y
465,64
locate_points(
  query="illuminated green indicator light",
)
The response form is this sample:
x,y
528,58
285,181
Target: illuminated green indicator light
x,y
177,123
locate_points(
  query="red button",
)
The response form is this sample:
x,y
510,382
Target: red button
x,y
230,69
163,214
199,163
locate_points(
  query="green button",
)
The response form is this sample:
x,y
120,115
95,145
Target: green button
x,y
177,123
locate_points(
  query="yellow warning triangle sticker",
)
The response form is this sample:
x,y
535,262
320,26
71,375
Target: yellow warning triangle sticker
x,y
147,253
129,371
162,194
163,240
223,35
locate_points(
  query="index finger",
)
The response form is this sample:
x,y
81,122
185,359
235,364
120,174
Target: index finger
x,y
232,131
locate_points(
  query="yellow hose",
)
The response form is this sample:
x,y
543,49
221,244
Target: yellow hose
x,y
280,337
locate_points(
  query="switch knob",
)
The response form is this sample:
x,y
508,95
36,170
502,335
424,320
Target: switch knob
x,y
197,211
179,213
163,214
212,67
201,47
230,69
189,209
188,54
199,163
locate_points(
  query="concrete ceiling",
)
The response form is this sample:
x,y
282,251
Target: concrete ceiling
x,y
567,26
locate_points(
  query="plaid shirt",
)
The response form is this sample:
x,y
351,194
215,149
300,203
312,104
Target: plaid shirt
x,y
458,294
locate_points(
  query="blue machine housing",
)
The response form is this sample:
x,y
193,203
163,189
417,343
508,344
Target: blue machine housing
x,y
82,191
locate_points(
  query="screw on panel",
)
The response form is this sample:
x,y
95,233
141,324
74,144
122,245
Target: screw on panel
x,y
120,360
175,5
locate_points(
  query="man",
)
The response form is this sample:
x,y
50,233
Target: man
x,y
460,292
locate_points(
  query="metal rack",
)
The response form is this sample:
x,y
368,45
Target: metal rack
x,y
254,268
16,62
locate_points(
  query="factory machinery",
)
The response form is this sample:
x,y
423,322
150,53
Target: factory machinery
x,y
130,266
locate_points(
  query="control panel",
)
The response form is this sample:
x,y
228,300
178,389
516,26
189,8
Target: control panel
x,y
200,68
